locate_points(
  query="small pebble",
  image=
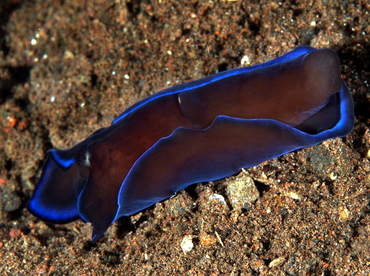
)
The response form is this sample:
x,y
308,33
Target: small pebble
x,y
241,192
218,197
277,261
187,243
12,202
343,212
207,239
293,195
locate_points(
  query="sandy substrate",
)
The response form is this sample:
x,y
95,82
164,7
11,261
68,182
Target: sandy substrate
x,y
69,67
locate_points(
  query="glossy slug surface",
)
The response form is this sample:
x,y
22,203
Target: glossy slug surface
x,y
198,131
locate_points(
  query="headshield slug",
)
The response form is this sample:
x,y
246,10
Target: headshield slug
x,y
199,131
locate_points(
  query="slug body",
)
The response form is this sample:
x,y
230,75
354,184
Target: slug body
x,y
199,131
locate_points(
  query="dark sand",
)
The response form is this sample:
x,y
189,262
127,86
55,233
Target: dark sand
x,y
68,67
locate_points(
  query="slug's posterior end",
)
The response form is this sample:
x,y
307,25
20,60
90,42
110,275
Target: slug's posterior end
x,y
55,196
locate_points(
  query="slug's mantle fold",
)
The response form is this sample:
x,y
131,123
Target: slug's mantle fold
x,y
199,131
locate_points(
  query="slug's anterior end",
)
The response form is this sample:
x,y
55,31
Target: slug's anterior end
x,y
321,72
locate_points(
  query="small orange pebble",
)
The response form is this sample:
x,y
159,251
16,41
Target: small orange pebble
x,y
325,265
207,239
15,233
2,181
22,125
11,121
